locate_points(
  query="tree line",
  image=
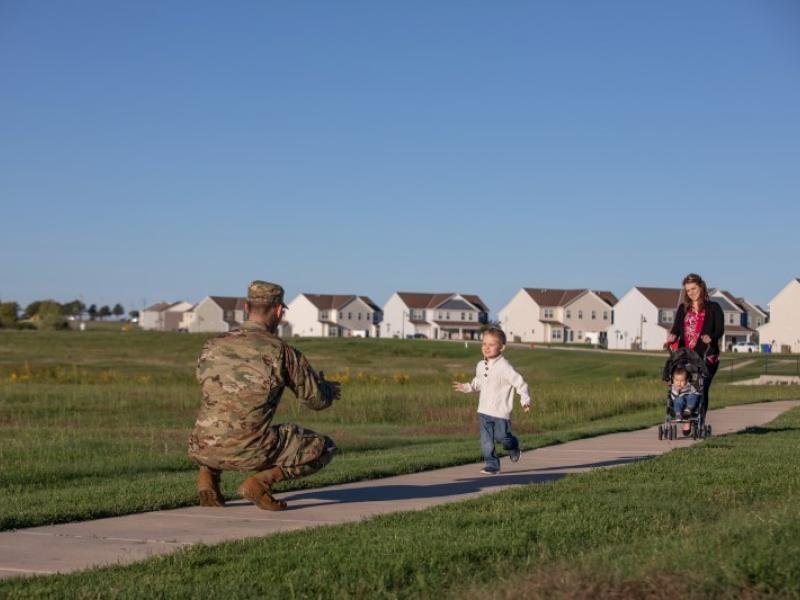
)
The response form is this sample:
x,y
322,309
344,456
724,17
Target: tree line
x,y
50,314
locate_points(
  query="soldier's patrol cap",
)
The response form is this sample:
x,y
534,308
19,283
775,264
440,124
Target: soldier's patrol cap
x,y
264,292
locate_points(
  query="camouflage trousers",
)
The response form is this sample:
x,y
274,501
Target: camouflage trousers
x,y
298,451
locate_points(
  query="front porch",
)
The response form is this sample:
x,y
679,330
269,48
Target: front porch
x,y
457,330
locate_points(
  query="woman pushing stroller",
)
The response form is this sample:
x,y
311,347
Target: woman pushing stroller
x,y
699,325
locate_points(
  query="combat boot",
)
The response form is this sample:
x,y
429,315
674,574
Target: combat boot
x,y
208,487
257,489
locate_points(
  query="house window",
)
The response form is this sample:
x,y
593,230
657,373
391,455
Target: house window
x,y
569,314
367,316
447,316
556,334
580,335
548,313
605,315
349,315
470,315
731,319
580,314
594,314
359,316
323,315
440,316
341,315
463,316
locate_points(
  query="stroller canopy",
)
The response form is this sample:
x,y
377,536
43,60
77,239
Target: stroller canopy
x,y
689,360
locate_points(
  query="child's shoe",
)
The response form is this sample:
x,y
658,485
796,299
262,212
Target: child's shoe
x,y
687,413
514,454
488,471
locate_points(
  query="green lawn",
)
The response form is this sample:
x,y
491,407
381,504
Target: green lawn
x,y
95,423
716,520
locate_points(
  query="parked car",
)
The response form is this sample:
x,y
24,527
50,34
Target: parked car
x,y
745,347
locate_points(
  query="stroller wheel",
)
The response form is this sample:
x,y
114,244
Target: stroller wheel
x,y
708,430
660,432
694,431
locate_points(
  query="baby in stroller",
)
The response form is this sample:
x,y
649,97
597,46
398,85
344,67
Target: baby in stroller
x,y
683,394
686,373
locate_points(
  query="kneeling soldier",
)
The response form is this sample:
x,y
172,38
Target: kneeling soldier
x,y
243,374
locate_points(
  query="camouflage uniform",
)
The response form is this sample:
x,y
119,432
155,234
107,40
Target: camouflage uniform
x,y
243,374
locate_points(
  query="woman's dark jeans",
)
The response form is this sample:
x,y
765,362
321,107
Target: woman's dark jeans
x,y
712,370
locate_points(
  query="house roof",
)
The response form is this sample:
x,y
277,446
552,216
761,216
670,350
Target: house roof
x,y
661,297
337,301
433,300
553,297
728,298
746,305
473,299
158,307
552,322
608,297
560,297
459,324
229,302
726,305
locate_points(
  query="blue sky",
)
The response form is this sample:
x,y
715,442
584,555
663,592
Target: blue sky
x,y
168,150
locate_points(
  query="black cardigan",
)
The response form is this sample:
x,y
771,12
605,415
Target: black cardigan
x,y
713,325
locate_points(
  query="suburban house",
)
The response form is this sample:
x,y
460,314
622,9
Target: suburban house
x,y
555,315
783,328
214,314
756,316
643,318
163,316
737,328
333,315
434,316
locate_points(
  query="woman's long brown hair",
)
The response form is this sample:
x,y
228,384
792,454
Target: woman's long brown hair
x,y
704,300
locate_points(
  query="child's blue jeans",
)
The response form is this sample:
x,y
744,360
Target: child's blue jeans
x,y
494,429
689,401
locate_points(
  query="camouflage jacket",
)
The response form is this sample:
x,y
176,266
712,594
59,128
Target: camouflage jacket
x,y
243,374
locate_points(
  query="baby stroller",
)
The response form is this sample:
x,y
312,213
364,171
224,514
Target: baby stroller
x,y
697,374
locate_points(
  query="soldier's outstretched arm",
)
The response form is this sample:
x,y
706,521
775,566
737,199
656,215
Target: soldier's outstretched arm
x,y
311,389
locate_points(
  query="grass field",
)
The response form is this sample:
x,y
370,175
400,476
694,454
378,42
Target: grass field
x,y
95,423
716,520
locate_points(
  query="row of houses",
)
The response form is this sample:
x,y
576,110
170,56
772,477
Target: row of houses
x,y
638,320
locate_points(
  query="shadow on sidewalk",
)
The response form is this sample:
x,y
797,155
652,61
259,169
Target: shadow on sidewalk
x,y
458,487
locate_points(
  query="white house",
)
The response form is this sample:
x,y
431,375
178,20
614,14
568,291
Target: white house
x,y
163,316
215,314
332,315
434,316
783,328
555,315
643,318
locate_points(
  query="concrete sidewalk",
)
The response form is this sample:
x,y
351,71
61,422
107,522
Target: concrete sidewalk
x,y
73,546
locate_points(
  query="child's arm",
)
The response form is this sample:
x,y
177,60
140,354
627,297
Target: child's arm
x,y
519,384
472,386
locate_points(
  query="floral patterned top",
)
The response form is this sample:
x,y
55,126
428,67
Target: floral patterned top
x,y
692,327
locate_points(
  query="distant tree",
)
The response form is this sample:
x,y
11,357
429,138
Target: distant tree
x,y
92,312
118,311
134,314
49,315
73,309
32,309
104,312
8,314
